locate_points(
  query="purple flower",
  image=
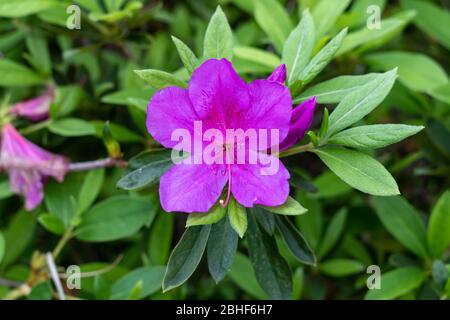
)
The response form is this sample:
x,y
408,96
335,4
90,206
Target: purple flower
x,y
28,166
301,120
219,99
35,109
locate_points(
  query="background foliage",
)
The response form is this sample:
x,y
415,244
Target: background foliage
x,y
123,240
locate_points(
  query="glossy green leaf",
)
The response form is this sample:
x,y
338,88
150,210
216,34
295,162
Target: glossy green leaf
x,y
150,277
341,267
326,13
359,170
396,283
160,239
290,208
72,127
374,136
215,214
90,188
160,79
263,59
265,218
188,58
439,226
238,217
51,223
218,41
333,232
221,249
403,222
186,256
14,74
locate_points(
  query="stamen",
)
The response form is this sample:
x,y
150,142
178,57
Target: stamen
x,y
225,203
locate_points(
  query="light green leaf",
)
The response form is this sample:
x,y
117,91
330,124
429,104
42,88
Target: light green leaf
x,y
439,226
359,170
22,8
5,190
299,47
150,278
90,188
334,90
341,267
290,208
72,127
186,256
188,58
326,13
40,56
361,102
238,217
51,223
424,77
14,74
322,58
333,232
396,283
366,38
374,136
329,185
218,41
262,58
115,218
274,20
160,239
243,276
215,214
403,222
159,79
221,249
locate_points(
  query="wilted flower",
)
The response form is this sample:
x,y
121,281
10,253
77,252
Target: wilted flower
x,y
28,166
219,99
37,108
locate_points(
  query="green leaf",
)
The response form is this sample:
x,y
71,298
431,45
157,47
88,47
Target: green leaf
x,y
439,136
243,276
295,241
186,256
329,185
51,223
188,58
221,249
290,208
374,136
67,99
322,58
115,218
90,188
40,56
341,267
22,8
274,20
403,222
326,13
360,102
431,19
299,47
334,90
18,235
215,214
59,198
366,38
159,79
439,226
424,77
439,274
265,218
5,190
359,170
254,56
333,232
41,291
72,127
218,41
2,247
14,74
160,239
396,283
146,169
150,277
238,217
271,270
310,224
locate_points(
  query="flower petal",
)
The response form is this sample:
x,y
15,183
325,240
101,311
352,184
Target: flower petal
x,y
301,120
279,74
258,184
29,184
271,106
35,109
218,94
170,109
192,187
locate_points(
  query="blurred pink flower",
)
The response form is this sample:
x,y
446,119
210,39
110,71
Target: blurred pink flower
x,y
37,108
28,166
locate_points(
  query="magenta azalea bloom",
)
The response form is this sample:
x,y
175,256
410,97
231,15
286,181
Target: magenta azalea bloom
x,y
219,99
35,109
28,166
